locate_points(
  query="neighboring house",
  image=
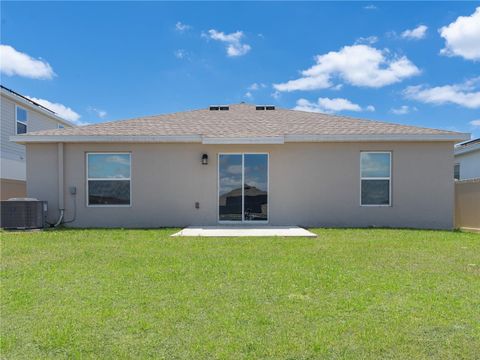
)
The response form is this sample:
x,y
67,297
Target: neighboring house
x,y
467,160
20,115
244,164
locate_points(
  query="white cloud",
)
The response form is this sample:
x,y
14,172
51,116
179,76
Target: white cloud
x,y
180,27
415,34
475,122
257,86
402,110
276,95
60,109
462,37
327,105
252,88
466,94
367,40
14,62
98,112
235,47
358,65
370,7
180,53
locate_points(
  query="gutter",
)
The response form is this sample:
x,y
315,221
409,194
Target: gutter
x,y
466,149
26,138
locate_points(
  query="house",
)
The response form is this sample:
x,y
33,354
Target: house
x,y
19,115
467,160
244,164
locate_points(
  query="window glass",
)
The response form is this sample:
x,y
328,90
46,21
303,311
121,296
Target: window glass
x,y
456,171
230,187
108,192
108,179
255,187
375,164
60,126
21,114
107,166
375,192
21,128
375,178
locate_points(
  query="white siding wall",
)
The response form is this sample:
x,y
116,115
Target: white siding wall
x,y
469,165
12,154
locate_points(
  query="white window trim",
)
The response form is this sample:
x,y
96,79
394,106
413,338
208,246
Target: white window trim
x,y
18,121
243,221
108,179
389,178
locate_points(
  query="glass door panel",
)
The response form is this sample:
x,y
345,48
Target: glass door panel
x,y
255,193
243,187
230,187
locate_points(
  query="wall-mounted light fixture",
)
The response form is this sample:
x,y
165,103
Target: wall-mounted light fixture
x,y
204,159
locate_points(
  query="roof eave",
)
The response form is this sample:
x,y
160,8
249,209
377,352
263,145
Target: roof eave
x,y
451,137
26,138
467,149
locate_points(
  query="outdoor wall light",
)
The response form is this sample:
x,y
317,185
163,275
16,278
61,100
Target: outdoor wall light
x,y
204,159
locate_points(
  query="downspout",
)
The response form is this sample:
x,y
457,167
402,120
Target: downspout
x,y
61,195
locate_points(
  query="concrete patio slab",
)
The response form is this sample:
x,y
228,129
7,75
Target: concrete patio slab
x,y
234,231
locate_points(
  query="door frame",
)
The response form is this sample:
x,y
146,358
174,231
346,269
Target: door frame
x,y
243,221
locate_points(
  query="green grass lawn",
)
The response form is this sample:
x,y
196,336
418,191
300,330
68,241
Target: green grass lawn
x,y
351,294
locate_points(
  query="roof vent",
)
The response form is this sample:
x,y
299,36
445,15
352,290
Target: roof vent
x,y
219,107
264,107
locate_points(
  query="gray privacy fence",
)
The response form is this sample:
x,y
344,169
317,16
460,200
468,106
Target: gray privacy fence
x,y
467,204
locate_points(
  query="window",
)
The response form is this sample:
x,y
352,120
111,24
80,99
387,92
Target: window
x,y
21,117
60,126
375,178
456,171
108,179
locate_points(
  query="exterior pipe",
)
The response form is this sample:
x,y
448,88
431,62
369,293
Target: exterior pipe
x,y
60,218
61,194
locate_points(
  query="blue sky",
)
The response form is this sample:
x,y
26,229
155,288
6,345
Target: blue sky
x,y
410,63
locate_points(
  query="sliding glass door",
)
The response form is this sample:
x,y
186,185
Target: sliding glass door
x,y
243,187
230,203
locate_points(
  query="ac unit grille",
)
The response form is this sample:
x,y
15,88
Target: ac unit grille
x,y
26,214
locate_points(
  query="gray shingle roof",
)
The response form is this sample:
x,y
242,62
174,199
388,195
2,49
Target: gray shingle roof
x,y
242,121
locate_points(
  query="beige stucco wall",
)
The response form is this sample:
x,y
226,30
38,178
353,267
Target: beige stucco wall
x,y
467,204
12,188
312,184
